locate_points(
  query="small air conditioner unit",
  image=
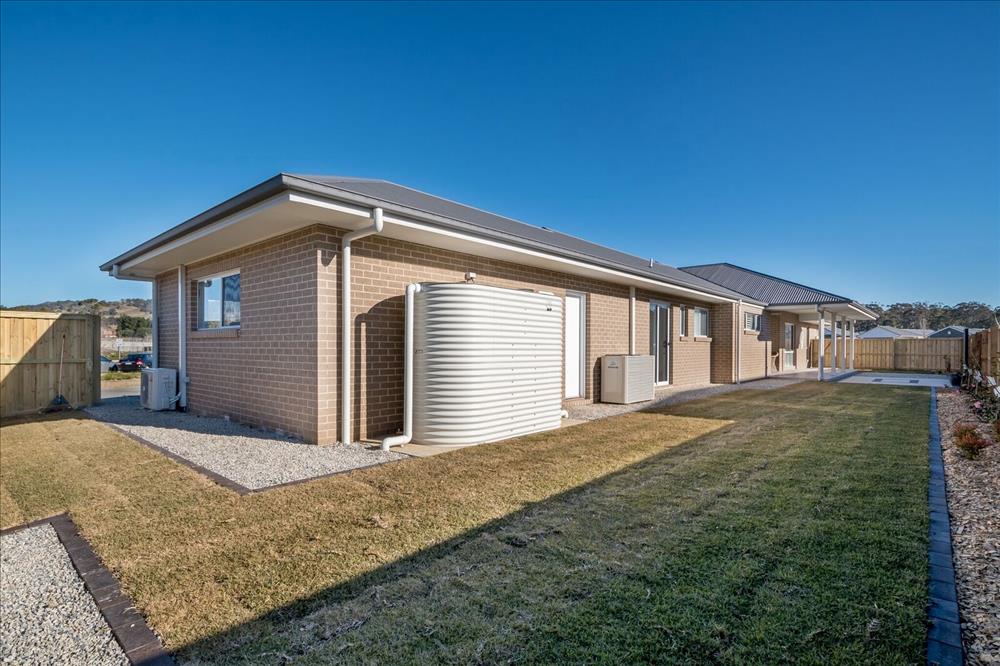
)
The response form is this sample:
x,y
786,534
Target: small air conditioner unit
x,y
158,388
626,379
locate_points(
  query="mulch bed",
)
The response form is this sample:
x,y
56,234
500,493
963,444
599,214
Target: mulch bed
x,y
974,507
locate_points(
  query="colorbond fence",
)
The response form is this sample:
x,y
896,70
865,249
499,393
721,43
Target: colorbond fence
x,y
923,355
31,347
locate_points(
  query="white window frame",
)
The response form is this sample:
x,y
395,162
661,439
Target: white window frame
x,y
683,321
708,328
222,306
755,321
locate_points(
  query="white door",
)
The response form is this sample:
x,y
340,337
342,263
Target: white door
x,y
574,345
659,339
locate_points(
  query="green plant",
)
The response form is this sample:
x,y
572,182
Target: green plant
x,y
968,440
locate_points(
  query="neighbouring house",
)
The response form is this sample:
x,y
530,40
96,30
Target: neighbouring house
x,y
883,332
249,300
953,332
776,334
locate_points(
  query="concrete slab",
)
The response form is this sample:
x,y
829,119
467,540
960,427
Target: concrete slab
x,y
899,379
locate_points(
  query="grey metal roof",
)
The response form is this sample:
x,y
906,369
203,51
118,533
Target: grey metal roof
x,y
953,332
447,213
384,190
762,287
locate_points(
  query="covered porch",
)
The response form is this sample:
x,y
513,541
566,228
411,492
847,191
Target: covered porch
x,y
840,319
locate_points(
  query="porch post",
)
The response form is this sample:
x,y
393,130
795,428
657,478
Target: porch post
x,y
833,343
854,342
843,343
822,342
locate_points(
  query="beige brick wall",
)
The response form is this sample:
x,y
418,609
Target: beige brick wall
x,y
265,374
755,348
282,369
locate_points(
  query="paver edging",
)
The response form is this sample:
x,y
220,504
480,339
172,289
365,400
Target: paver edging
x,y
141,646
944,631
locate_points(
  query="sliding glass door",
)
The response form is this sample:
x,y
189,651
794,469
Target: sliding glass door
x,y
659,339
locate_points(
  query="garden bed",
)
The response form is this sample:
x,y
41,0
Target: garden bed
x,y
974,507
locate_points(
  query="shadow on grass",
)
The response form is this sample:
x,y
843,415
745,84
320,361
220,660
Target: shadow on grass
x,y
798,533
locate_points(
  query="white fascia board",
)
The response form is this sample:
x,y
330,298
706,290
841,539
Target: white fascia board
x,y
363,214
607,274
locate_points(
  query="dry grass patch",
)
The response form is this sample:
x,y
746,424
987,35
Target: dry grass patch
x,y
199,559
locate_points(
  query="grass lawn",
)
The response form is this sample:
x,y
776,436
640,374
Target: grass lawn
x,y
753,527
119,376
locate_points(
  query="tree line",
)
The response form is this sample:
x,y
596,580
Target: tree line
x,y
932,316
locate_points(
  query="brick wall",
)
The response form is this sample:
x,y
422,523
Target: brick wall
x,y
282,368
166,319
265,373
381,268
755,348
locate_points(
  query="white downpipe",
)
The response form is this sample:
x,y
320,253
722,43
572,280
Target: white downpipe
x,y
399,440
854,341
348,347
182,377
155,324
739,336
631,321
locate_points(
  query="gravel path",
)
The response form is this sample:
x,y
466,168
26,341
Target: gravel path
x,y
248,456
47,615
973,488
673,396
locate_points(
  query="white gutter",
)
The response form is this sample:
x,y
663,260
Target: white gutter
x,y
182,377
399,440
347,348
631,321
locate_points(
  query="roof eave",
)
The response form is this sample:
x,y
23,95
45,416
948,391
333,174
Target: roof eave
x,y
284,181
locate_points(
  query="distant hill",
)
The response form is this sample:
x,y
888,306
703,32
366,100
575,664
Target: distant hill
x,y
108,310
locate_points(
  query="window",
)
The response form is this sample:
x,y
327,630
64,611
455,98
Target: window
x,y
751,321
684,321
701,322
219,301
789,336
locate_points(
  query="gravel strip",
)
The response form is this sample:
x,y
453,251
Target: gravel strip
x,y
48,617
973,488
673,395
251,457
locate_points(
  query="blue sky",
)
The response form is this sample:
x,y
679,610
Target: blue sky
x,y
852,147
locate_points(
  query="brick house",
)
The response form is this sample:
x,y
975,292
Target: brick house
x,y
248,301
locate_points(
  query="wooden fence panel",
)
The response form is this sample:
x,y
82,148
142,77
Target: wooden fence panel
x,y
31,345
925,355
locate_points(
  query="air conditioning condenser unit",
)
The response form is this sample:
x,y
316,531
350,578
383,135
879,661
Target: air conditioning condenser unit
x,y
626,379
158,388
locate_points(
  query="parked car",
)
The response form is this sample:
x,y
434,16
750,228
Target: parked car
x,y
133,363
106,363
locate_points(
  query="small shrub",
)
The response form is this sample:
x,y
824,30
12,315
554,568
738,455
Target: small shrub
x,y
968,440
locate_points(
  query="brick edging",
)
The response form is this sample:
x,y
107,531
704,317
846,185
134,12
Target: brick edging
x,y
944,631
141,646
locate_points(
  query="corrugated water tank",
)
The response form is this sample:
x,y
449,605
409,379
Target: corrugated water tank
x,y
487,363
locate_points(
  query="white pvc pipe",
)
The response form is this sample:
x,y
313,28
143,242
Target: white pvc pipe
x,y
399,440
631,321
155,324
739,336
182,377
347,347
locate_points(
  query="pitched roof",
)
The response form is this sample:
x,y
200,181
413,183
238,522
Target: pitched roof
x,y
953,330
763,287
901,332
401,195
